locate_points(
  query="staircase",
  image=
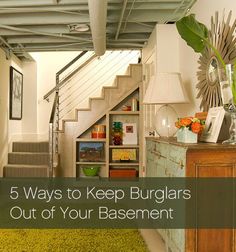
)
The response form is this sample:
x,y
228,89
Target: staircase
x,y
67,122
27,159
110,97
98,106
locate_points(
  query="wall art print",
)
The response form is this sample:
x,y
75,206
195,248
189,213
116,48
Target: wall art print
x,y
16,94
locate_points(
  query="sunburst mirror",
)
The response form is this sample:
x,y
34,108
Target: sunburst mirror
x,y
222,37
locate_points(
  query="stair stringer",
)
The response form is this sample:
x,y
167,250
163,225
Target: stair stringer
x,y
109,93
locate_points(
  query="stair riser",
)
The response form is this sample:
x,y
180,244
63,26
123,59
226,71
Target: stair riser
x,y
136,71
29,159
10,172
30,147
98,105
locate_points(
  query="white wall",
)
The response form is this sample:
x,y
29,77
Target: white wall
x,y
4,89
25,129
29,122
162,54
16,129
48,63
15,126
203,9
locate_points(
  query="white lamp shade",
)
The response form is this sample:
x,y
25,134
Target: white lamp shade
x,y
165,88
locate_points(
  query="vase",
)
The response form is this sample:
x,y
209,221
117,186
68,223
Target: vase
x,y
227,82
184,135
117,133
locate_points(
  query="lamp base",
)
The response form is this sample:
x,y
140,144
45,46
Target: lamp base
x,y
166,117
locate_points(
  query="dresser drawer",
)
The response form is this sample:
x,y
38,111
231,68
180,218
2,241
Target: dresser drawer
x,y
176,161
156,159
174,169
155,166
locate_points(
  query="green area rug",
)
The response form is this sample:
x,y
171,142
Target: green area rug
x,y
84,240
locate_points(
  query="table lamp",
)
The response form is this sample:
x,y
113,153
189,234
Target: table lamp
x,y
165,88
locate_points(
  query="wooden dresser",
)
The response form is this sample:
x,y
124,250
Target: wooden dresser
x,y
167,158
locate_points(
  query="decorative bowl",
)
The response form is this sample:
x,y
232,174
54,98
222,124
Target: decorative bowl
x,y
91,170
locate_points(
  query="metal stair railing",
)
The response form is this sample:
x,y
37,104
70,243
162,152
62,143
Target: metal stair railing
x,y
53,135
75,96
54,117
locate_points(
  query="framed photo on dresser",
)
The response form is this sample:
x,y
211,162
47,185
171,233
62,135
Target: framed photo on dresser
x,y
213,124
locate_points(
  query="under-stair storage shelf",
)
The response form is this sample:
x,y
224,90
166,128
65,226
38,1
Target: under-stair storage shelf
x,y
90,153
123,146
118,154
91,140
124,112
124,164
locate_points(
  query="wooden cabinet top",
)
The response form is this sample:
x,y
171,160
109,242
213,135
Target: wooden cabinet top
x,y
197,146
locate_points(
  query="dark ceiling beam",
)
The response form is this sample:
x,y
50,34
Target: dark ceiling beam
x,y
141,16
40,9
43,33
44,39
56,47
86,39
84,7
124,44
63,29
42,19
121,18
25,3
64,18
3,41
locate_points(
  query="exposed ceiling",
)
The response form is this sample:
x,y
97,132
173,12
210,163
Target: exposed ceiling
x,y
44,25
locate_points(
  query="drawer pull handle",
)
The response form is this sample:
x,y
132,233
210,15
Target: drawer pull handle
x,y
157,153
180,163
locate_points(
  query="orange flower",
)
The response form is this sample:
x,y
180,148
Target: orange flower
x,y
185,121
191,123
177,125
196,127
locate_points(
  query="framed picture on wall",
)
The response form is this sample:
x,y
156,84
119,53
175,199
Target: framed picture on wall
x,y
16,94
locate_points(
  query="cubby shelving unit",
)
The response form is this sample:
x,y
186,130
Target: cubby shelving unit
x,y
103,147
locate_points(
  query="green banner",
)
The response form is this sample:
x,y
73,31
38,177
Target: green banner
x,y
140,203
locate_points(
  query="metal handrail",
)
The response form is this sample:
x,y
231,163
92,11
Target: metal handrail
x,y
60,83
53,136
54,107
71,62
69,76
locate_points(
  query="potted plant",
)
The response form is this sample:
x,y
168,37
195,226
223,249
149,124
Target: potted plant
x,y
196,35
189,128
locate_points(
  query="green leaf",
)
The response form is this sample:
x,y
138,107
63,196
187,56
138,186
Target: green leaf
x,y
193,32
234,82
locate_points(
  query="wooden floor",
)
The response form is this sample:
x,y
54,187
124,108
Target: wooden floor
x,y
153,240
